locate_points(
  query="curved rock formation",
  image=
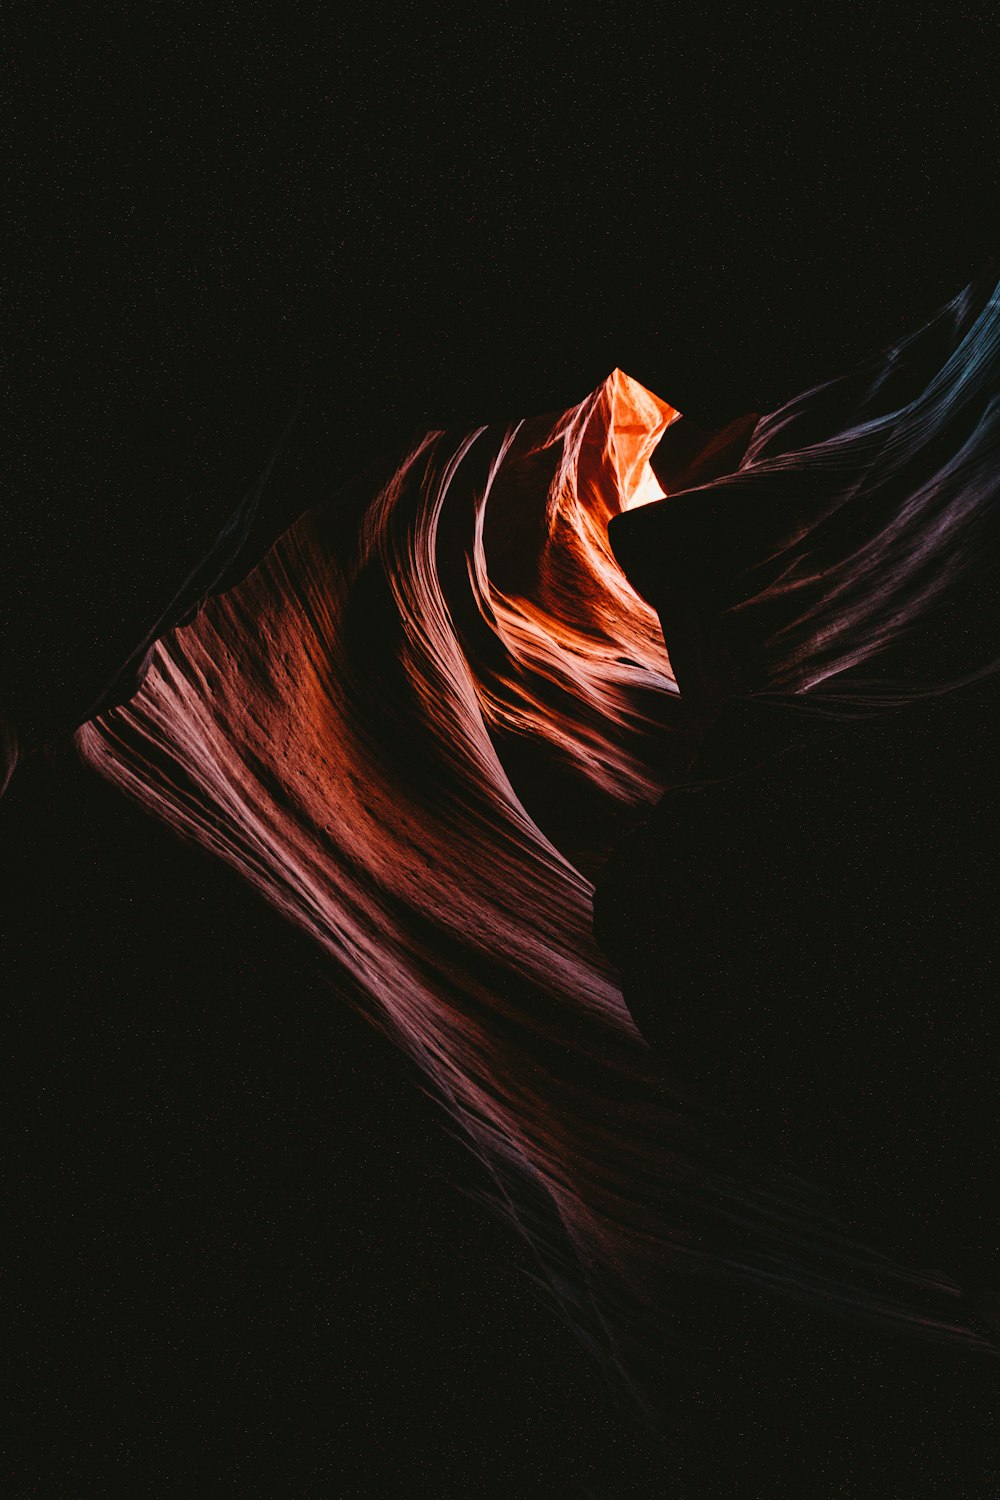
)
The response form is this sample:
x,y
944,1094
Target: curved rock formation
x,y
421,724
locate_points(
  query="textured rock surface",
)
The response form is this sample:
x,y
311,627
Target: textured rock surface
x,y
418,728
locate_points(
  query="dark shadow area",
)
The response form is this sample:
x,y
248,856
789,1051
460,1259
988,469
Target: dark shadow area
x,y
242,1259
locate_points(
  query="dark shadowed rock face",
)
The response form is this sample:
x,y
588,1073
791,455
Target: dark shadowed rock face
x,y
808,928
807,923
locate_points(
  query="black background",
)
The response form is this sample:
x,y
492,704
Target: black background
x,y
242,1259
